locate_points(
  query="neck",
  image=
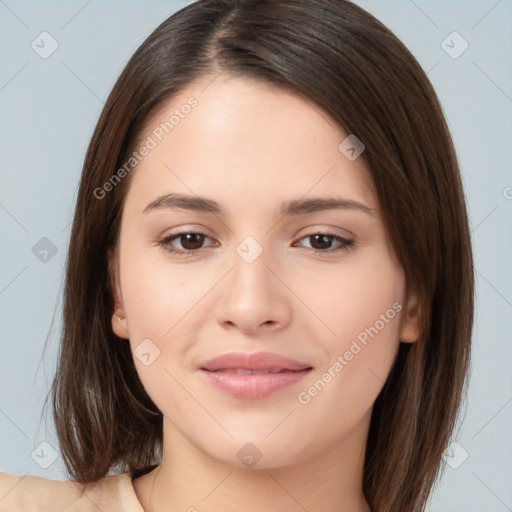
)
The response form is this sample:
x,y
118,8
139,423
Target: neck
x,y
188,479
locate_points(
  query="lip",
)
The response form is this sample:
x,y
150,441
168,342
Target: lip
x,y
282,372
253,361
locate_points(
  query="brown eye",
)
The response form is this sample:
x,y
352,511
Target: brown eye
x,y
326,242
186,243
191,241
321,242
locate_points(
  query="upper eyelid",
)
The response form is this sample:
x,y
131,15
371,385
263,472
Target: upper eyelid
x,y
177,234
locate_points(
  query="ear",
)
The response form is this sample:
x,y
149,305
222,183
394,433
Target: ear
x,y
119,323
410,328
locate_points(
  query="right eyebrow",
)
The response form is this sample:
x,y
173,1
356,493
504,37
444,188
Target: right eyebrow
x,y
171,201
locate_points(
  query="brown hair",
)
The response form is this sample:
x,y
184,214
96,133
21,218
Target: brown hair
x,y
348,63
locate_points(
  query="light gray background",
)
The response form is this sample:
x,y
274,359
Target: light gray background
x,y
49,108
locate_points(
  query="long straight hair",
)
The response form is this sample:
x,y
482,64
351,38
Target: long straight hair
x,y
345,61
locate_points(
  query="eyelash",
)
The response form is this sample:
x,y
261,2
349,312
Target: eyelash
x,y
165,242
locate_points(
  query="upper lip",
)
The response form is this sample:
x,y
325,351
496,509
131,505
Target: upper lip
x,y
254,361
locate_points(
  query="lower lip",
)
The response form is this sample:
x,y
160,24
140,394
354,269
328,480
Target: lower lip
x,y
253,386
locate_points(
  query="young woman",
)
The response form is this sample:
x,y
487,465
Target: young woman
x,y
269,292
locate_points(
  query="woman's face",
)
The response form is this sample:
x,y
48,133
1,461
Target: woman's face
x,y
280,248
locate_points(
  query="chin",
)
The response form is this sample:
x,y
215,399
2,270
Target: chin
x,y
253,452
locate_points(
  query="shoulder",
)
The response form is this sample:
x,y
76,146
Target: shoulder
x,y
37,494
25,492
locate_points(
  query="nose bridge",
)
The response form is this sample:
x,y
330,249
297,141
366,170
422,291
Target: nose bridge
x,y
251,296
250,277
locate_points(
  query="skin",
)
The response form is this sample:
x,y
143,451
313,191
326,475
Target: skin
x,y
250,147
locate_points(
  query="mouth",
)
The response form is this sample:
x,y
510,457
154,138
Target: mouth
x,y
252,376
244,371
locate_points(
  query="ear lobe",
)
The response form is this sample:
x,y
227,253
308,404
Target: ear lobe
x,y
410,329
119,323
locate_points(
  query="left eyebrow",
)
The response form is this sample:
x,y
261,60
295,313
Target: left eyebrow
x,y
302,206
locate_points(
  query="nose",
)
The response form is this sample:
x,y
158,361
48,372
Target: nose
x,y
252,299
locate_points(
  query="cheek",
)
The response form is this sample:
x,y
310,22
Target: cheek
x,y
350,300
165,309
158,296
365,320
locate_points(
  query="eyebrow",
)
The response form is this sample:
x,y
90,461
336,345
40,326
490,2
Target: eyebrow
x,y
295,207
302,206
179,201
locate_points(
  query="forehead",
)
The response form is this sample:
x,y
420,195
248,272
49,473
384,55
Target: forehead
x,y
235,136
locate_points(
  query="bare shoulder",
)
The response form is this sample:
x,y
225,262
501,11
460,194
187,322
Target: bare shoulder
x,y
37,494
19,492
